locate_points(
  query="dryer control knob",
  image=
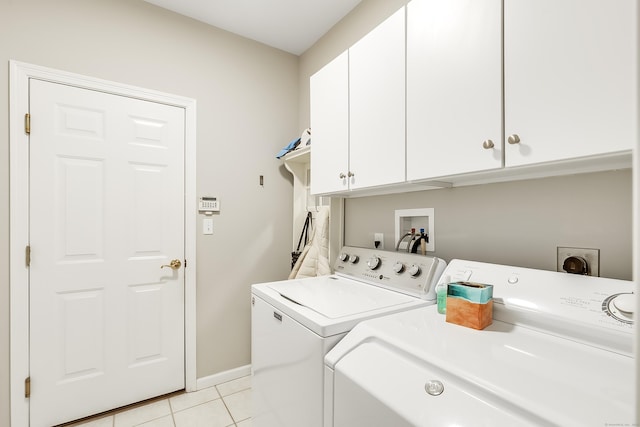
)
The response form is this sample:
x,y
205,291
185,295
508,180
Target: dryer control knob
x,y
625,303
343,257
373,262
398,267
354,259
414,270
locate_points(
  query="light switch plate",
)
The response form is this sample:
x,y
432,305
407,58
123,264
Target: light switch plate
x,y
207,226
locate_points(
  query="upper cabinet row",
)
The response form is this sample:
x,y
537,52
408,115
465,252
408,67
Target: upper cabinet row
x,y
453,87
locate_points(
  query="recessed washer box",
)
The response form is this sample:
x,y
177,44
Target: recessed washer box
x,y
406,219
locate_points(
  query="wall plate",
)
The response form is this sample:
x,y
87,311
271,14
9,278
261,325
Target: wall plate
x,y
405,219
592,256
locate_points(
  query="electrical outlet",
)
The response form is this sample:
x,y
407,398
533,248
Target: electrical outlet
x,y
592,256
378,237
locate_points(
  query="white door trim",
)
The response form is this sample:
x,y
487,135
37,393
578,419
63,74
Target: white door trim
x,y
19,76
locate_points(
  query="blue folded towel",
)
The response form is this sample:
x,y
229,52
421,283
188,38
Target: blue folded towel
x,y
292,145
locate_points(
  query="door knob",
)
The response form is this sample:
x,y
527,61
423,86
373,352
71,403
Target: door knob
x,y
342,176
513,139
174,264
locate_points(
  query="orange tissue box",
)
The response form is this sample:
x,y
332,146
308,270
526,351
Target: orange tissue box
x,y
470,314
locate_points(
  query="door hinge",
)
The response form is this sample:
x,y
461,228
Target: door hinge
x,y
27,255
27,387
27,123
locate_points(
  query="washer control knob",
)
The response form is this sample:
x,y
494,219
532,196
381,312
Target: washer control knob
x,y
343,257
414,270
373,262
398,267
354,259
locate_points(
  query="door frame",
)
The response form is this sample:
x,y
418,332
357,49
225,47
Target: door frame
x,y
19,75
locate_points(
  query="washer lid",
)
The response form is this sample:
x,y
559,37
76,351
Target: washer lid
x,y
335,298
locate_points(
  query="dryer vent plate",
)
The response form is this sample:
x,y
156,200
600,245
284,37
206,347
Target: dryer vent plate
x,y
578,260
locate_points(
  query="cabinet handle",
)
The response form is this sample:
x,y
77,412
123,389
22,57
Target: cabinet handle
x,y
351,174
487,144
513,139
342,176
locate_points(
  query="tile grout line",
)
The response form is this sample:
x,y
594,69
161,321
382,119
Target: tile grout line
x,y
228,411
173,416
225,403
226,406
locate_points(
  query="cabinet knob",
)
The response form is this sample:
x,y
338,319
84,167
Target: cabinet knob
x,y
342,176
487,144
351,174
513,139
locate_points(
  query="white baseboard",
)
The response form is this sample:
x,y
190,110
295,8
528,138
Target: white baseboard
x,y
223,377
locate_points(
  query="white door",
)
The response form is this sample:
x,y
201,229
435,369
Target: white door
x,y
570,78
377,105
329,101
106,212
454,87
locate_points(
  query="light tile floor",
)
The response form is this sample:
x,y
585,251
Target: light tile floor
x,y
224,405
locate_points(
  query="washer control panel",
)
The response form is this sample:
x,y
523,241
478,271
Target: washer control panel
x,y
405,272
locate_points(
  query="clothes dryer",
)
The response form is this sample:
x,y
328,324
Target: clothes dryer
x,y
558,353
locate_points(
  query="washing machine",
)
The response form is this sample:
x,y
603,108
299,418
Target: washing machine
x,y
294,323
559,352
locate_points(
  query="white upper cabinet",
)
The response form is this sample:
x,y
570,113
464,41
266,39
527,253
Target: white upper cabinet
x,y
470,91
454,87
329,93
570,75
358,113
377,105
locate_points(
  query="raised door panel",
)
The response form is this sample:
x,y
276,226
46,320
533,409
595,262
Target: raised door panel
x,y
329,108
377,105
454,87
570,78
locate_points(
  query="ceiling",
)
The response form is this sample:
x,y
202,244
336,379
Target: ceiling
x,y
289,25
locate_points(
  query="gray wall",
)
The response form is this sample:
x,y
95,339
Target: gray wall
x,y
247,96
515,223
518,223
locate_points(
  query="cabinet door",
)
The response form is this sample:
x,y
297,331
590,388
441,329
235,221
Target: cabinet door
x,y
570,78
377,105
454,87
329,108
